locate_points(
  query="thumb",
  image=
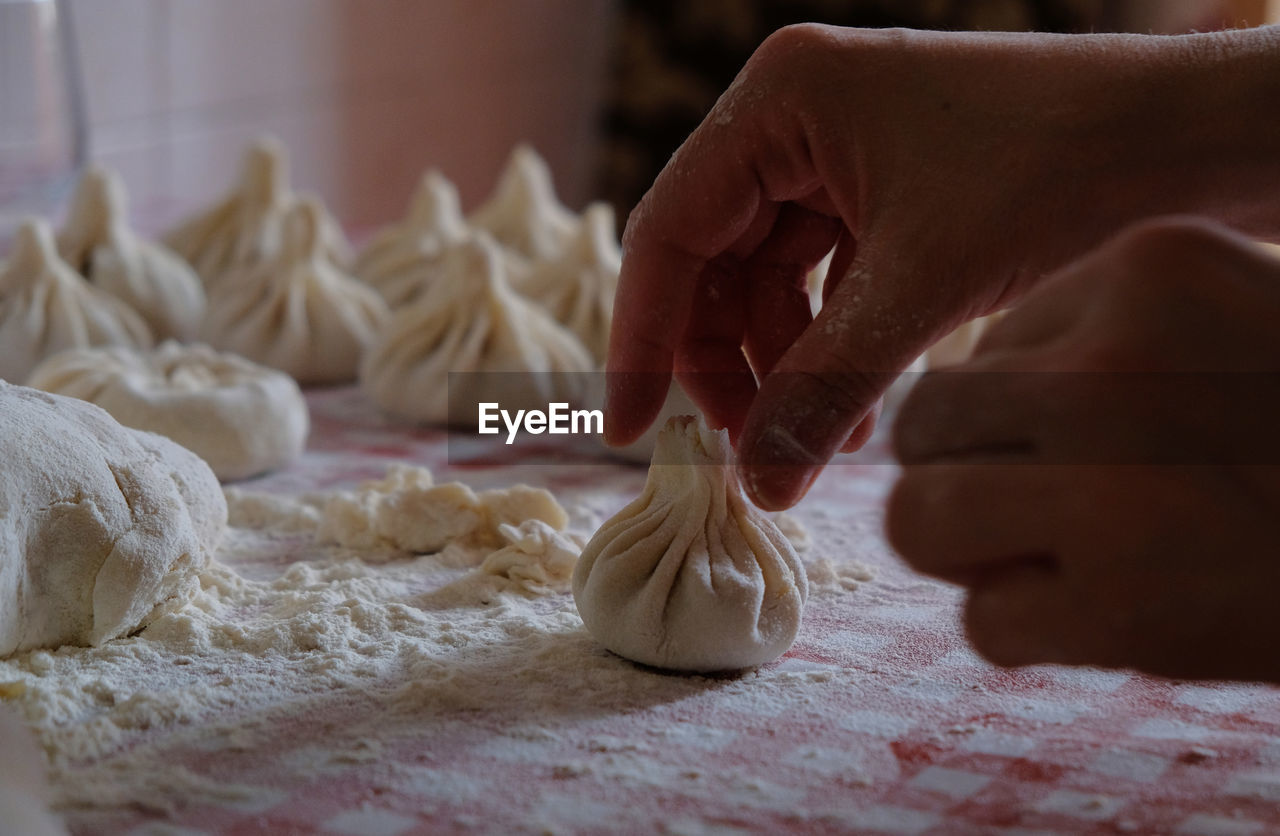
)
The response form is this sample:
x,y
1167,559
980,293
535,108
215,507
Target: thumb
x,y
830,379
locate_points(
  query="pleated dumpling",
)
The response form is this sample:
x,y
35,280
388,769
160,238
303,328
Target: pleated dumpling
x,y
297,311
96,241
401,260
523,213
471,321
578,285
245,227
690,576
45,307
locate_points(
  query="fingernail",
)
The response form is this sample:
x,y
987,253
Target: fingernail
x,y
778,470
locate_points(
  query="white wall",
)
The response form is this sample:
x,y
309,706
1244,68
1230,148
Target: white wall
x,y
365,93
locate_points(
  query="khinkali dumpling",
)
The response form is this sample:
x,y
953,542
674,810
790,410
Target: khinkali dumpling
x,y
470,320
241,418
96,240
245,227
690,576
403,259
578,285
523,213
45,307
296,311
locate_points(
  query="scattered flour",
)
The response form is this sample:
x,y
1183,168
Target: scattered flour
x,y
301,657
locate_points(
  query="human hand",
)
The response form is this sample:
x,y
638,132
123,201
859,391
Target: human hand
x,y
952,169
1103,476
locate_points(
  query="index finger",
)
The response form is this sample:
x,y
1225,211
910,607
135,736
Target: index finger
x,y
717,196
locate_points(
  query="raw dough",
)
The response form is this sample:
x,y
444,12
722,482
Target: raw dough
x,y
470,320
104,528
578,286
407,510
402,260
246,227
296,311
523,212
45,307
241,418
97,241
690,576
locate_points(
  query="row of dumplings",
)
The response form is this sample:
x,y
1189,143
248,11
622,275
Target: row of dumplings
x,y
521,285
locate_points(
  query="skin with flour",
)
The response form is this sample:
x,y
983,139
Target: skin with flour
x,y
953,172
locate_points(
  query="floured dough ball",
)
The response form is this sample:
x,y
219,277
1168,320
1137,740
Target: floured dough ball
x,y
538,557
402,260
578,286
506,348
104,528
246,226
96,240
690,576
241,418
296,311
45,307
523,213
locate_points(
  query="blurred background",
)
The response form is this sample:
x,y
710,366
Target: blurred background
x,y
368,94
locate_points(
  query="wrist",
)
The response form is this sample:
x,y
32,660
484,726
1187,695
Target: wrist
x,y
1205,136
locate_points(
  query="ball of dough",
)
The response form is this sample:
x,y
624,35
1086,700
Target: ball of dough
x,y
297,312
577,287
45,307
241,418
105,528
501,347
690,576
97,241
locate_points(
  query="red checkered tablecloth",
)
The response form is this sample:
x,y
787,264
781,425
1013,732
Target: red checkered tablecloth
x,y
878,720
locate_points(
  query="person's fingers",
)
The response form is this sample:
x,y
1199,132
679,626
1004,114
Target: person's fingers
x,y
716,195
841,261
981,408
830,379
1020,614
862,433
778,299
956,520
709,362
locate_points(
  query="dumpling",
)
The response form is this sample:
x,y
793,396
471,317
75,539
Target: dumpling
x,y
578,285
296,311
106,528
246,227
45,307
96,241
471,321
523,213
241,418
690,576
403,259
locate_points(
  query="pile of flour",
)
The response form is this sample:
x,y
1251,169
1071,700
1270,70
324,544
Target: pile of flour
x,y
290,629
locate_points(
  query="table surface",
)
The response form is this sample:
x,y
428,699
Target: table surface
x,y
879,719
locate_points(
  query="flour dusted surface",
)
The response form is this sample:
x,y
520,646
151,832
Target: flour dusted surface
x,y
357,652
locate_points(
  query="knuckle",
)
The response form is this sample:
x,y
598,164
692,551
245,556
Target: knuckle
x,y
1172,247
